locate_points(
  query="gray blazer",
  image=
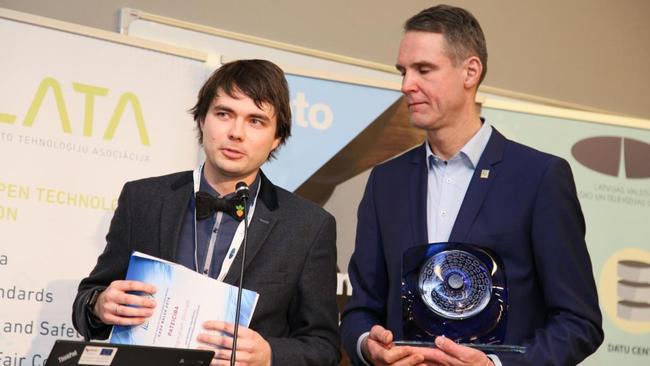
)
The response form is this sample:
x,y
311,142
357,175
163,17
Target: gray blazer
x,y
290,262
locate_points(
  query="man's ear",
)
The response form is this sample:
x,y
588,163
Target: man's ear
x,y
275,144
473,69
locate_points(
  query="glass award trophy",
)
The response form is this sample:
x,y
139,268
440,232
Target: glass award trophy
x,y
456,290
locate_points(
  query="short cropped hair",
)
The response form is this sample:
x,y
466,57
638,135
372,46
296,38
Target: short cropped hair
x,y
260,80
461,30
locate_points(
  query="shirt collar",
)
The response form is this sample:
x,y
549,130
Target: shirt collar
x,y
472,150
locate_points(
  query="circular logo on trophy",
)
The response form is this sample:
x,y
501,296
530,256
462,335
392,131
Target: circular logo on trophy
x,y
455,284
454,289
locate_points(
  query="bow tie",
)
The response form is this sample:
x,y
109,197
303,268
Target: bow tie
x,y
206,205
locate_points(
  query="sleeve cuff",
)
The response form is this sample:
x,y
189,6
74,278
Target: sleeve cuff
x,y
360,354
495,360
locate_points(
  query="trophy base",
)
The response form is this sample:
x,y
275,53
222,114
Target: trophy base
x,y
488,348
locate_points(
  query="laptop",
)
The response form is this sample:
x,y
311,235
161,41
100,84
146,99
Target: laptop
x,y
69,353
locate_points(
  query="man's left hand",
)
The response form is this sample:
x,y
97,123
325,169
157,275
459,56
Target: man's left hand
x,y
252,349
450,353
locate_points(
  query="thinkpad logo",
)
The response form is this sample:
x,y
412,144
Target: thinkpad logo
x,y
67,356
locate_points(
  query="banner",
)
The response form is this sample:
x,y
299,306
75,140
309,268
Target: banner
x,y
79,116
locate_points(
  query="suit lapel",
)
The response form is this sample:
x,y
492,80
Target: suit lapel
x,y
263,221
478,186
172,215
417,190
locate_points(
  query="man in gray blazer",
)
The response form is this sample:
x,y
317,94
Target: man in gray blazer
x,y
242,115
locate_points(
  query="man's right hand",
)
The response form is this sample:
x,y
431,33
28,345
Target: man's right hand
x,y
116,306
378,348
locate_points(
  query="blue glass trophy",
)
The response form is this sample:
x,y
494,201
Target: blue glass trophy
x,y
456,290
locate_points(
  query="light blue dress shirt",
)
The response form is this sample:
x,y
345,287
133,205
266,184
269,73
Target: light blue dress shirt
x,y
447,184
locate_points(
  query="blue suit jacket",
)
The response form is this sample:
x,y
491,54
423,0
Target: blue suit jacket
x,y
527,211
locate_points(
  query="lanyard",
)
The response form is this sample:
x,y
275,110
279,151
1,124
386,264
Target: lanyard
x,y
237,239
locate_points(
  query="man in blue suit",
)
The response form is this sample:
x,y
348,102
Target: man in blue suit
x,y
468,183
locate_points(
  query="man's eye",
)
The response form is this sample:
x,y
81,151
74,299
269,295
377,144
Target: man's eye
x,y
424,70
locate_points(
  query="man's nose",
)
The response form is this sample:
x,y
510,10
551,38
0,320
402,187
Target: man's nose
x,y
408,83
237,130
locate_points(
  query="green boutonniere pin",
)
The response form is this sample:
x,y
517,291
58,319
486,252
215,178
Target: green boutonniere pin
x,y
240,210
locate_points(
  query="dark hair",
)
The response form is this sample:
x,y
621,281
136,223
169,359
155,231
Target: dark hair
x,y
461,30
260,80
